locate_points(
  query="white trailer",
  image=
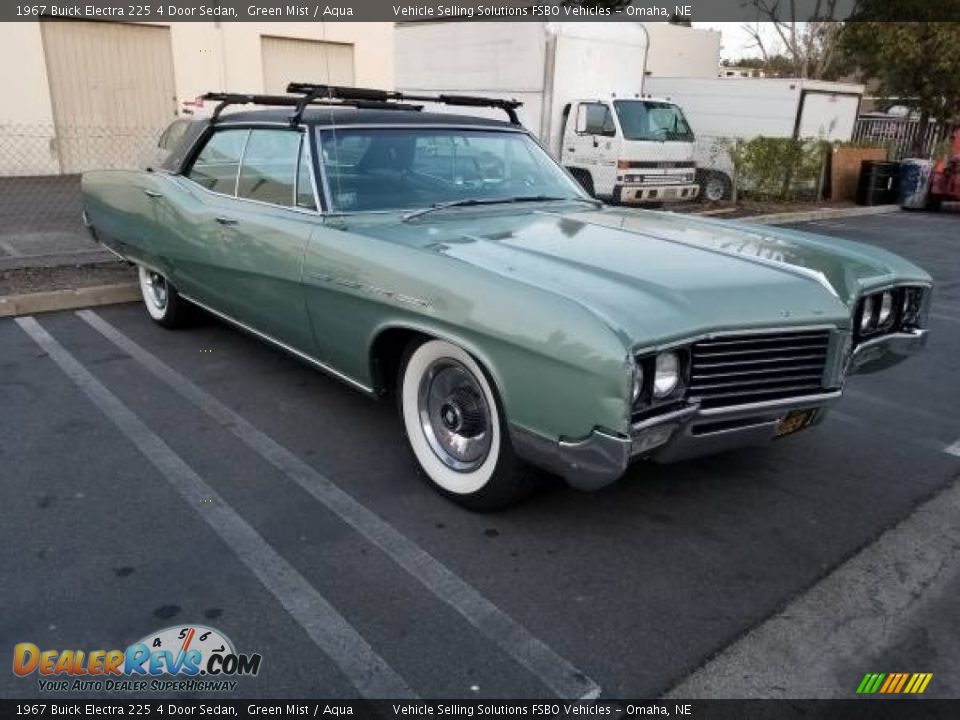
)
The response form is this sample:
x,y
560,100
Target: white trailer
x,y
721,109
581,85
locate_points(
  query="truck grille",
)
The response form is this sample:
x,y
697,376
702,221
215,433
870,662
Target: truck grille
x,y
738,369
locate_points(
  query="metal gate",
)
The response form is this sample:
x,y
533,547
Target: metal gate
x,y
112,90
898,134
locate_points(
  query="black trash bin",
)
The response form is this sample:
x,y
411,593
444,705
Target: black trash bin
x,y
878,182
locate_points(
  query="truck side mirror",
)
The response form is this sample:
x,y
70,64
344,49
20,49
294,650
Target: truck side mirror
x,y
581,125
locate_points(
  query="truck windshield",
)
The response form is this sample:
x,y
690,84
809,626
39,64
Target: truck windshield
x,y
412,168
651,120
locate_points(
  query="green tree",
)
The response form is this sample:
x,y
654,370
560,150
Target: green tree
x,y
916,63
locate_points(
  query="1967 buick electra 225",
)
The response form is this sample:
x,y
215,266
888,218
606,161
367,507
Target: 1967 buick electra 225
x,y
448,262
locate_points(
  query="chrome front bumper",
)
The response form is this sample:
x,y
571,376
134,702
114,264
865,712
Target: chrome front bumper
x,y
886,351
602,457
637,194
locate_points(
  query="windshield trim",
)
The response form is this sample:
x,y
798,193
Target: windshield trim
x,y
327,195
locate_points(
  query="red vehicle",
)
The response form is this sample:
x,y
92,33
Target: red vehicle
x,y
945,183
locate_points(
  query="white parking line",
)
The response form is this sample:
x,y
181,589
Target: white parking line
x,y
953,449
553,670
9,249
369,673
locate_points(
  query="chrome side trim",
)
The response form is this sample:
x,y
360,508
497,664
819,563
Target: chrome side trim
x,y
283,346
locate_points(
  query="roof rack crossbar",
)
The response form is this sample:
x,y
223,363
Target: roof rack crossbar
x,y
391,96
225,99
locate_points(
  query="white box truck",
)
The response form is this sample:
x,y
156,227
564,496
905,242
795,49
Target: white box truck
x,y
722,109
581,85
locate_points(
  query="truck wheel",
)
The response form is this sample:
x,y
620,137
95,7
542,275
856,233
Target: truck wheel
x,y
714,186
163,302
584,178
456,428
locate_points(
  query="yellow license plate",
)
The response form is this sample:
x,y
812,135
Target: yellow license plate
x,y
795,421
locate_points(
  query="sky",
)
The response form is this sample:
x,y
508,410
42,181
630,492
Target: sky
x,y
735,41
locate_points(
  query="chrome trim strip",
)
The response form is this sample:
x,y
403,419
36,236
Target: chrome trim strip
x,y
720,334
771,404
283,346
665,418
433,126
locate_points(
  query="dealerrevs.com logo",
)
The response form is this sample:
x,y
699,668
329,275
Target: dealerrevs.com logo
x,y
191,658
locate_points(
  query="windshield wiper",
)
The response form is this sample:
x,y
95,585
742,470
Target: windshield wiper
x,y
471,202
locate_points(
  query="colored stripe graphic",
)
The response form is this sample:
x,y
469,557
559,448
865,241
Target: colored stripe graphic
x,y
894,683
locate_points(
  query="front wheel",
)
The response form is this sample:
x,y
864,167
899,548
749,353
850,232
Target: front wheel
x,y
163,302
456,428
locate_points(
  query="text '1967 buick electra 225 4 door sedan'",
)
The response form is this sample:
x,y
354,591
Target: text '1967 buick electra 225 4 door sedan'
x,y
447,262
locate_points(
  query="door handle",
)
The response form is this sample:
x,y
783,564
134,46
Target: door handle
x,y
226,220
571,149
152,194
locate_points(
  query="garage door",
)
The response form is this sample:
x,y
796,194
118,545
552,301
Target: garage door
x,y
287,60
112,90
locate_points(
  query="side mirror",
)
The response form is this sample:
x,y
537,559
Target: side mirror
x,y
581,119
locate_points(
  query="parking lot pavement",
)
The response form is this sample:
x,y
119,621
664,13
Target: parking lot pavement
x,y
153,478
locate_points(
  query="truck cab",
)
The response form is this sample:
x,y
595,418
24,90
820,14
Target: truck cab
x,y
629,150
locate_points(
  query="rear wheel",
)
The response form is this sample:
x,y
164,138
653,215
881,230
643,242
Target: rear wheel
x,y
163,302
456,428
714,186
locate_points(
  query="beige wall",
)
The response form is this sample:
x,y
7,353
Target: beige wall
x,y
207,56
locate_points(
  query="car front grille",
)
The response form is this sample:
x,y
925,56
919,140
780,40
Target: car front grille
x,y
739,369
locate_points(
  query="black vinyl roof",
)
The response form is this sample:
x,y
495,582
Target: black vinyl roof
x,y
328,115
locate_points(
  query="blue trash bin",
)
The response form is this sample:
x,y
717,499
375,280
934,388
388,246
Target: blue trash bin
x,y
914,187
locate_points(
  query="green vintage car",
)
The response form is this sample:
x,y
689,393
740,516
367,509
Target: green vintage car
x,y
448,262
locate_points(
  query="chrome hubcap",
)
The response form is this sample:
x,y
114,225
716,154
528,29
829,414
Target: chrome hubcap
x,y
158,290
454,415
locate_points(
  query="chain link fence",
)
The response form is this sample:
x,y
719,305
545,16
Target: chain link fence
x,y
40,168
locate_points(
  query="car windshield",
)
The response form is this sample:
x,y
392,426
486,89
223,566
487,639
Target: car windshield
x,y
650,120
411,168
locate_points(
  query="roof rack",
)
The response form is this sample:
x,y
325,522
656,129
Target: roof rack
x,y
299,103
393,99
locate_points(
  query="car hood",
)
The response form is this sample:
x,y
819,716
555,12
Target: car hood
x,y
659,275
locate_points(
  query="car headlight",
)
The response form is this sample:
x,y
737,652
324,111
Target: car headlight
x,y
666,376
886,308
866,315
637,383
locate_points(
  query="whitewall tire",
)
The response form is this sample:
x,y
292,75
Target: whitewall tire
x,y
161,299
456,430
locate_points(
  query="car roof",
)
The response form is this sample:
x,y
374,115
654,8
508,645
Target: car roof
x,y
326,116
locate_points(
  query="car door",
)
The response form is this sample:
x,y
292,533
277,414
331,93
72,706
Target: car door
x,y
267,227
197,203
590,143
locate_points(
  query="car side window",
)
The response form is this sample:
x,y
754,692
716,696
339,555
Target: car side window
x,y
268,171
305,196
216,166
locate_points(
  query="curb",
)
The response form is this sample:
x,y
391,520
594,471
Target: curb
x,y
49,301
824,214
